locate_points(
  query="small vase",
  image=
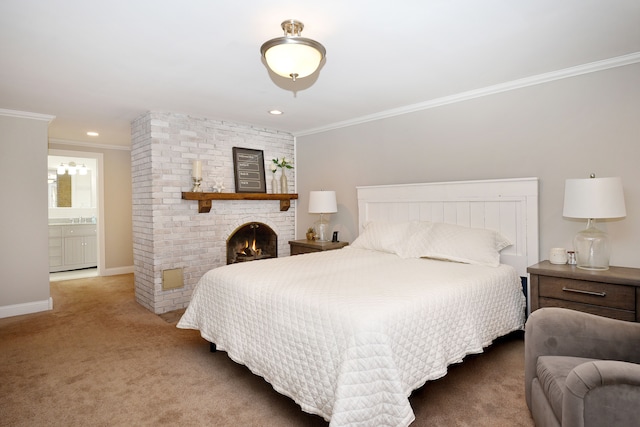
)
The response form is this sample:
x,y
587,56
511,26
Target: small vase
x,y
274,184
284,186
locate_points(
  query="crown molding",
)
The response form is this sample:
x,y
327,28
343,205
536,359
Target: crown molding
x,y
591,67
88,144
26,115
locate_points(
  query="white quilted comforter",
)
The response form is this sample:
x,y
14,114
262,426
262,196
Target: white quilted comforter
x,y
349,334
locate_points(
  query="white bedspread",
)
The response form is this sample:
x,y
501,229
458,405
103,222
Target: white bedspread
x,y
349,334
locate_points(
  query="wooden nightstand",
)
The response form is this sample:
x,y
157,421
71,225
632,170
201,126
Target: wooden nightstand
x,y
612,293
306,246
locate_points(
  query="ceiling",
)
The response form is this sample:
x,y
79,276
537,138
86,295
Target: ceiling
x,y
98,65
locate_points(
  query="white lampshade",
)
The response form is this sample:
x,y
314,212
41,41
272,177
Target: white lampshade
x,y
591,199
322,202
594,198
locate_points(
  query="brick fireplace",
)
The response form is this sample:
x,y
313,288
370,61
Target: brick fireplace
x,y
168,232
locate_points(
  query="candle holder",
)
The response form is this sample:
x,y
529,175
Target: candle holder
x,y
196,185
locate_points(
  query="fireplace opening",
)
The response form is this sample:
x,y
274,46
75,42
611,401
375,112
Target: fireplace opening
x,y
251,242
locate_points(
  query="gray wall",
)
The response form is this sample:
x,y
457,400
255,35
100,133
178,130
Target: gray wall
x,y
24,256
567,128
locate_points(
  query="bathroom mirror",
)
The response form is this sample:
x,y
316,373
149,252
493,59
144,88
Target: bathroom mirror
x,y
71,190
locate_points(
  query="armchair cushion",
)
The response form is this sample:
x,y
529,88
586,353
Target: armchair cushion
x,y
552,372
603,392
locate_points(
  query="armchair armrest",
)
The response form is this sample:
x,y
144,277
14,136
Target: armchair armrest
x,y
562,332
611,390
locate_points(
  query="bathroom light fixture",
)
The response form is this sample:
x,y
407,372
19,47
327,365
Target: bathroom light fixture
x,y
293,56
93,133
590,199
71,168
322,202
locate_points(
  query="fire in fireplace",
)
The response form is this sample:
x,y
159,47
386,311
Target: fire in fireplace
x,y
250,242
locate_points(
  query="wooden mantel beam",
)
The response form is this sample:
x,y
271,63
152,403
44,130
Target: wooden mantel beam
x,y
205,199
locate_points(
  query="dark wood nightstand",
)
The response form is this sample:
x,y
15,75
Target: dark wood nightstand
x,y
306,246
612,293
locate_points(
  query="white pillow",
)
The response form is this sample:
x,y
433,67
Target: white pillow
x,y
384,236
457,243
413,245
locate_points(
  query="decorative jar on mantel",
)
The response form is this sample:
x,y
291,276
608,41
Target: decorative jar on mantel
x,y
284,185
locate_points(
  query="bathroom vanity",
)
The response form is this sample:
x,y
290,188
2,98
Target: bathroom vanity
x,y
72,246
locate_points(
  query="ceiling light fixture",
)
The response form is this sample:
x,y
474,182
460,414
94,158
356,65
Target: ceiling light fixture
x,y
92,133
293,56
275,112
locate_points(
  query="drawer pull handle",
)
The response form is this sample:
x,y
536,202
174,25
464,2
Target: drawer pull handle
x,y
579,291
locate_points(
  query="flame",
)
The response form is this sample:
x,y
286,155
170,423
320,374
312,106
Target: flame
x,y
252,248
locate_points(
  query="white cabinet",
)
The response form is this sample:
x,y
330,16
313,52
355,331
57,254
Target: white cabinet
x,y
56,247
77,245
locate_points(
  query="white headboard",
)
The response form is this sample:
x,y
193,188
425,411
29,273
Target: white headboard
x,y
509,206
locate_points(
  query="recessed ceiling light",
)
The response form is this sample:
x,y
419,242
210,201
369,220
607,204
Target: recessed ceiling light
x,y
91,133
275,112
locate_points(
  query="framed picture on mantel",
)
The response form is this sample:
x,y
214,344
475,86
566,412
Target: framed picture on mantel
x,y
248,168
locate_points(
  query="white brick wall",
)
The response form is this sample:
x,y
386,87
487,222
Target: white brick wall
x,y
168,232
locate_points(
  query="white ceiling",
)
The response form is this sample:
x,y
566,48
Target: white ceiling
x,y
96,65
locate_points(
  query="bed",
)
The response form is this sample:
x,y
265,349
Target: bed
x,y
434,275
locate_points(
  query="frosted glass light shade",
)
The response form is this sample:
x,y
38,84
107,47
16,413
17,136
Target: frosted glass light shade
x,y
293,56
288,60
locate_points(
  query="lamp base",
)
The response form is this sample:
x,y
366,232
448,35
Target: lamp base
x,y
592,248
322,232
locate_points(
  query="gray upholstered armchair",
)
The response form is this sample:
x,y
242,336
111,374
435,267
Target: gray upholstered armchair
x,y
582,369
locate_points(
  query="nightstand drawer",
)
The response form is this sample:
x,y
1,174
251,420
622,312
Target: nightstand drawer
x,y
297,250
613,293
629,316
586,292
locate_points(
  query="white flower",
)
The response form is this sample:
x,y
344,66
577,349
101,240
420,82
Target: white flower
x,y
274,167
284,163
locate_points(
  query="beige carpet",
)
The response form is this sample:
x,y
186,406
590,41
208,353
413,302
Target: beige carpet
x,y
100,359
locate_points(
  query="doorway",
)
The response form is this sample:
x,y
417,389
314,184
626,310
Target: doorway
x,y
76,229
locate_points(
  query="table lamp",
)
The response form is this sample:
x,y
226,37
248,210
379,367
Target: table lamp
x,y
593,198
322,202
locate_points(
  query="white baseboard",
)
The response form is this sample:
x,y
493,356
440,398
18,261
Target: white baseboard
x,y
26,308
117,270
